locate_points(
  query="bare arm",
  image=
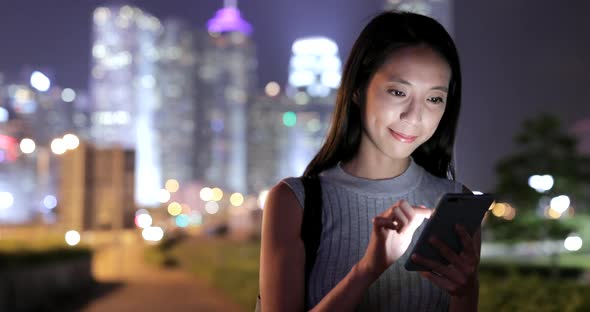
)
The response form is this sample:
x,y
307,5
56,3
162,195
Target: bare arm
x,y
282,261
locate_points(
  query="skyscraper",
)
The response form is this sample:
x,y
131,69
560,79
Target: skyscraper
x,y
123,90
227,76
314,77
176,116
267,137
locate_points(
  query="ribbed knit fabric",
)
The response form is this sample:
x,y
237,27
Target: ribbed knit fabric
x,y
349,204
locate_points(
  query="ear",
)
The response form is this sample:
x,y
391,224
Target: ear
x,y
356,97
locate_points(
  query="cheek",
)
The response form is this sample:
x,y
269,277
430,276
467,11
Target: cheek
x,y
379,108
432,122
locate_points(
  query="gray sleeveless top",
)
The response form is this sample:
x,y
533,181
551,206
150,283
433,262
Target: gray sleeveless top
x,y
349,204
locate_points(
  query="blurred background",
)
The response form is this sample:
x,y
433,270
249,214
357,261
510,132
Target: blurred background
x,y
138,141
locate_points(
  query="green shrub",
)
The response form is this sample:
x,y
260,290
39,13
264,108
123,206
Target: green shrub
x,y
516,292
25,258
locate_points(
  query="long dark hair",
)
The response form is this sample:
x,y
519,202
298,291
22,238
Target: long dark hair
x,y
384,34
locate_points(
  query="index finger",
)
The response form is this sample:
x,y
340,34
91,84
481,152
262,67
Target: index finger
x,y
423,211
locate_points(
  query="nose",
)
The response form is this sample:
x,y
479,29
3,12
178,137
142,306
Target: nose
x,y
412,113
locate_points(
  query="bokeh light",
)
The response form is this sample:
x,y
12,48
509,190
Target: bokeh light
x,y
50,202
272,88
163,196
301,98
206,194
172,185
174,209
289,119
212,207
6,200
216,194
143,220
236,199
58,146
4,114
72,238
499,209
71,141
573,242
182,220
152,233
560,203
541,183
27,146
68,95
40,82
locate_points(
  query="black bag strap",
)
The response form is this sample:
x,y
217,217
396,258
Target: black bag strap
x,y
311,225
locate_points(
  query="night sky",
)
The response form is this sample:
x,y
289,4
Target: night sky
x,y
519,58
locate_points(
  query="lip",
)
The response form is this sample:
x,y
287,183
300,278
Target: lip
x,y
402,137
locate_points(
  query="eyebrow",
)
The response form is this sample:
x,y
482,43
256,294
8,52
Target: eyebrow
x,y
402,81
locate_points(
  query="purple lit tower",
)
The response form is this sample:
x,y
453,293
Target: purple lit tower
x,y
441,10
227,77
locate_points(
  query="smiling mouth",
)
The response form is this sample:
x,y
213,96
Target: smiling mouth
x,y
404,138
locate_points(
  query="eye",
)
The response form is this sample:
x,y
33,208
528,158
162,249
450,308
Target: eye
x,y
397,93
436,100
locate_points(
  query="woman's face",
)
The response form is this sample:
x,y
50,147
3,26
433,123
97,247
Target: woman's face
x,y
405,101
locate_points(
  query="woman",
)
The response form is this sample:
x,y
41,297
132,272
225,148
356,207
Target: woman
x,y
388,156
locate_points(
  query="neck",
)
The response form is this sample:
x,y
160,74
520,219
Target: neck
x,y
374,168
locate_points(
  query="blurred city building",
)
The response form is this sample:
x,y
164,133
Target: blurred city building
x,y
97,189
176,127
288,127
314,77
226,78
33,109
123,90
267,138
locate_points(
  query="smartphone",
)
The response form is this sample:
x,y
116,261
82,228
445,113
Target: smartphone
x,y
453,208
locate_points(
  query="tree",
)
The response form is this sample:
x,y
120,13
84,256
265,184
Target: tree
x,y
542,148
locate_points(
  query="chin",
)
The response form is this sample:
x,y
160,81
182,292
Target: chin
x,y
399,154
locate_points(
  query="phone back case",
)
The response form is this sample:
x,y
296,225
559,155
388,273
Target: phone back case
x,y
459,208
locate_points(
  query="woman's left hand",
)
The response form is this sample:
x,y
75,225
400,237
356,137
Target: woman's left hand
x,y
459,277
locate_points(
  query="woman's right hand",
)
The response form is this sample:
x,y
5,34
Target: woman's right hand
x,y
392,234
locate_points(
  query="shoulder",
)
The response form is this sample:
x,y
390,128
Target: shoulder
x,y
295,185
282,212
